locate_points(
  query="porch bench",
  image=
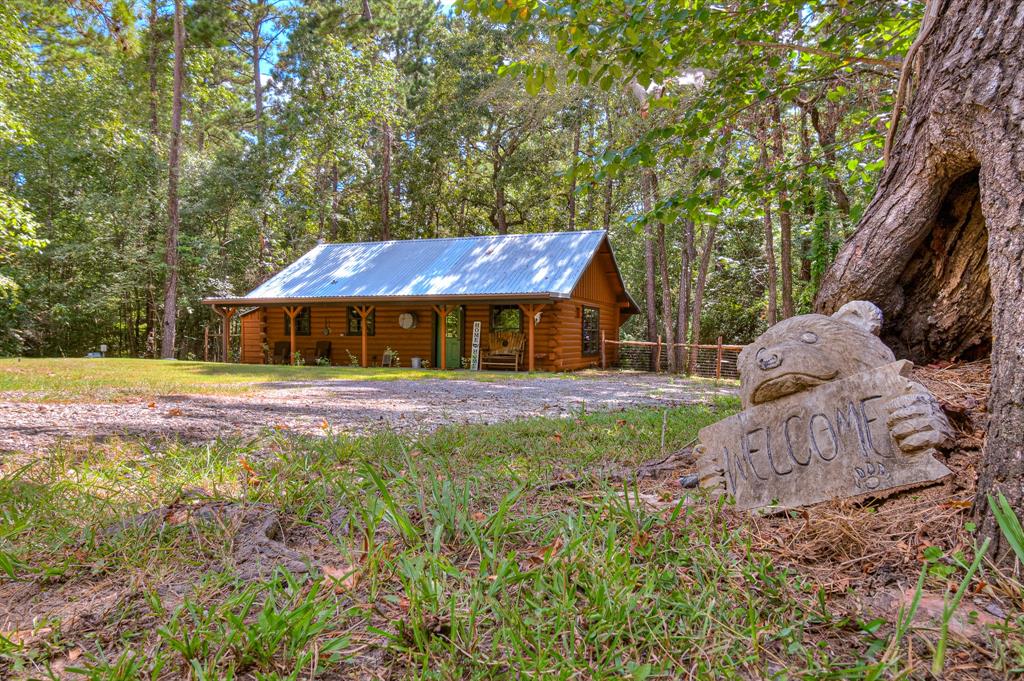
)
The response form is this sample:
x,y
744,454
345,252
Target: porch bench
x,y
504,351
500,362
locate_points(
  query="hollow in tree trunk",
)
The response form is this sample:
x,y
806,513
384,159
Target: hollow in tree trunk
x,y
941,245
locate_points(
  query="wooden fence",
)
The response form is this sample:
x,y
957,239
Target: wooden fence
x,y
710,361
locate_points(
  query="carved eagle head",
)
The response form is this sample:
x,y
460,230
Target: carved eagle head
x,y
801,352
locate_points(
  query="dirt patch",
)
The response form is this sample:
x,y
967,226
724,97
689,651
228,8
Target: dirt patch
x,y
349,407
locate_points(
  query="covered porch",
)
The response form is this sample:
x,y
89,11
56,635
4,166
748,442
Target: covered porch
x,y
515,333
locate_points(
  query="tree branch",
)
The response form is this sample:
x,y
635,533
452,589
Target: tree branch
x,y
856,59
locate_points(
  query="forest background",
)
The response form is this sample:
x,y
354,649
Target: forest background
x,y
726,189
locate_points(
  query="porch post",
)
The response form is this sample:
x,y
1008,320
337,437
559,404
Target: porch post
x,y
228,314
530,311
225,314
442,312
364,312
292,313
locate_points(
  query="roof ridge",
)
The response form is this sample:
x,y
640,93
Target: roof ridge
x,y
461,238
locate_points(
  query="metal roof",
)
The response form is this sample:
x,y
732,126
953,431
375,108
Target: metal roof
x,y
510,265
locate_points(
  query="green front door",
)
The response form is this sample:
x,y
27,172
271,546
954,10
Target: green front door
x,y
453,339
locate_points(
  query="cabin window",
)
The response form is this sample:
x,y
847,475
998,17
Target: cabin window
x,y
591,330
355,323
303,323
506,318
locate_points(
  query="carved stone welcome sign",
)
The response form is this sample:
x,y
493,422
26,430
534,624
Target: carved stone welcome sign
x,y
827,414
829,442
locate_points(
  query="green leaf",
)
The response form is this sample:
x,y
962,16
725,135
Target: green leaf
x,y
1008,523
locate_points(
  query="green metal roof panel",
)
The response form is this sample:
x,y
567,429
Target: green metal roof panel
x,y
512,264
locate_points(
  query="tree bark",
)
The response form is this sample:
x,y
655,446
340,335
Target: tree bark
x,y
772,313
649,273
257,86
609,183
666,285
335,203
386,141
152,62
785,222
153,229
572,180
606,215
953,197
686,257
171,252
806,196
826,129
705,258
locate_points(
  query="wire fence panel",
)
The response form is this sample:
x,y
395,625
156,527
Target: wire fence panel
x,y
708,361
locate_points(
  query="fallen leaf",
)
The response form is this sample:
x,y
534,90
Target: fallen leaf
x,y
640,540
174,412
479,516
74,654
176,516
557,437
544,554
325,425
151,405
26,637
343,579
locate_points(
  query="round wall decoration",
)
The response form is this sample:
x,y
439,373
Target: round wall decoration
x,y
407,320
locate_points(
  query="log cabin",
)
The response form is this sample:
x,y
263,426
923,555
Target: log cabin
x,y
544,302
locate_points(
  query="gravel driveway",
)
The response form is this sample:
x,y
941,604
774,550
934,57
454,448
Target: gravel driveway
x,y
353,407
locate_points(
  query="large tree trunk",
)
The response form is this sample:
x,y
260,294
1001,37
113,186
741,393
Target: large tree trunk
x,y
257,86
609,183
152,63
948,215
649,273
705,258
335,203
826,129
806,197
572,177
685,278
171,252
666,284
386,140
772,313
153,231
785,222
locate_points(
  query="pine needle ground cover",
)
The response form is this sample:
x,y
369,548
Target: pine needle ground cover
x,y
451,556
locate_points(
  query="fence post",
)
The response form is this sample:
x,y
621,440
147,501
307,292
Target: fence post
x,y
657,356
718,361
206,342
604,361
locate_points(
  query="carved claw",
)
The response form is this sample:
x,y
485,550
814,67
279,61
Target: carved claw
x,y
917,422
709,472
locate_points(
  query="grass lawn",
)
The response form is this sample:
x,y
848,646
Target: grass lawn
x,y
436,558
57,379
